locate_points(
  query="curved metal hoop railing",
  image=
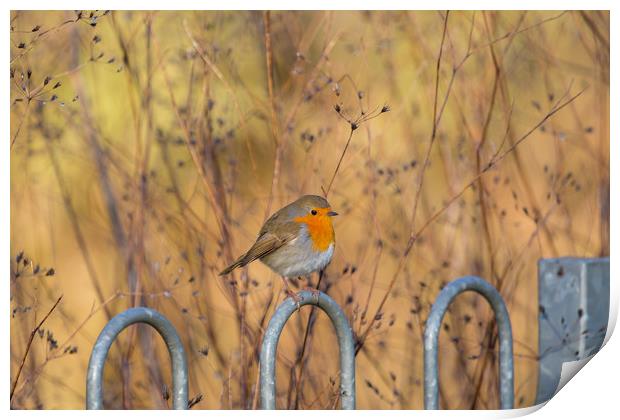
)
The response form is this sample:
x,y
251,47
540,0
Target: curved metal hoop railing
x,y
272,336
94,379
431,339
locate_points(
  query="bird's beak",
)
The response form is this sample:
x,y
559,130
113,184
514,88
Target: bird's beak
x,y
332,213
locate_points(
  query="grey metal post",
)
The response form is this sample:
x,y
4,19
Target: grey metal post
x,y
573,311
431,340
270,345
94,379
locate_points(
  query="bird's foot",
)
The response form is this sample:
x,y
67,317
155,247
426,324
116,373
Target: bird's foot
x,y
295,296
315,292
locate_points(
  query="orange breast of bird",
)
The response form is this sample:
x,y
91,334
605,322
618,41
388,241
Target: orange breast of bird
x,y
320,229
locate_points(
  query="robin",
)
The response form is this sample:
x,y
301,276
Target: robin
x,y
295,241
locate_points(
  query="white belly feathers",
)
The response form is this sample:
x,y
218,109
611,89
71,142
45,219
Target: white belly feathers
x,y
300,259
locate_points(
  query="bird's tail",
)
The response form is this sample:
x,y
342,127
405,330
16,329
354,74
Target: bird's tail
x,y
239,263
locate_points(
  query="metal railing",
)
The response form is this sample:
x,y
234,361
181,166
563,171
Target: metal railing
x,y
94,382
431,339
94,379
589,278
272,336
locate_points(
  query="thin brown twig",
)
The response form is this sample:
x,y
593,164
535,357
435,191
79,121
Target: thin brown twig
x,y
28,346
418,190
512,33
19,127
416,234
56,353
42,34
416,200
490,335
301,361
203,55
75,225
354,124
275,178
344,151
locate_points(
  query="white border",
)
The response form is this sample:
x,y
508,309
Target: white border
x,y
593,394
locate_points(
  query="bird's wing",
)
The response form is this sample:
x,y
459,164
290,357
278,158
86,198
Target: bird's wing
x,y
266,243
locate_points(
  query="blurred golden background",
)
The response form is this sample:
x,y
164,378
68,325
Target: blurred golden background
x,y
147,148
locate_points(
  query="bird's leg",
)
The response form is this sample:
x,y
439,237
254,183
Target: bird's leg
x,y
315,292
290,293
294,281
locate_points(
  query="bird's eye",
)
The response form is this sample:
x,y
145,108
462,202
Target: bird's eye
x,y
313,212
